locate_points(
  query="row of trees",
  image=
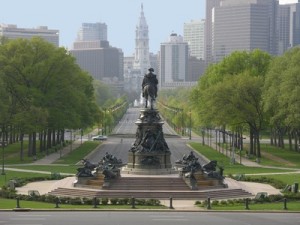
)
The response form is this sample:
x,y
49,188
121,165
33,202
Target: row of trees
x,y
251,91
43,92
247,92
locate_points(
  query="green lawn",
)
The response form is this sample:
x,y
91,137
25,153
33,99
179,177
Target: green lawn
x,y
286,178
11,203
79,153
9,175
225,162
49,168
291,206
291,156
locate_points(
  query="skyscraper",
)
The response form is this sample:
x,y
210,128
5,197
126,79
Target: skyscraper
x,y
244,25
11,31
208,39
94,54
92,32
193,34
295,24
173,61
233,25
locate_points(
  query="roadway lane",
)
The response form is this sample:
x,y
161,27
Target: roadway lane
x,y
120,142
127,123
148,218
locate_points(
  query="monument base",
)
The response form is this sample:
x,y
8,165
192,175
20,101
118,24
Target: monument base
x,y
136,171
148,163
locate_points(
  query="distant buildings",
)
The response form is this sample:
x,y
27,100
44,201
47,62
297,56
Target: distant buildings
x,y
193,34
92,32
174,55
11,31
94,54
136,66
233,25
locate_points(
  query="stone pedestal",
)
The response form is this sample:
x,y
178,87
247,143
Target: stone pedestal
x,y
150,153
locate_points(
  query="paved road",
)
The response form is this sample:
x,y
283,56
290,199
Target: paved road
x,y
127,123
120,145
148,218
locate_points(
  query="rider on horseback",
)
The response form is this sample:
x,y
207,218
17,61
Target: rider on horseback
x,y
150,79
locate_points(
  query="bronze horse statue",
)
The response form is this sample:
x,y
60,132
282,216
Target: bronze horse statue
x,y
149,92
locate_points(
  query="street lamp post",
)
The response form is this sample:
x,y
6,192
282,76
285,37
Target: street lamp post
x,y
105,121
190,125
3,144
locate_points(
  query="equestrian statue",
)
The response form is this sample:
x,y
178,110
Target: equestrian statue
x,y
149,87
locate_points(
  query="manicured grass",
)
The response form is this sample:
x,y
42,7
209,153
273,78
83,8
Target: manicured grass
x,y
79,153
286,178
49,168
11,203
10,175
291,156
285,157
291,206
224,161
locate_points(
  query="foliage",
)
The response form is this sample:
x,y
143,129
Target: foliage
x,y
282,89
229,94
44,91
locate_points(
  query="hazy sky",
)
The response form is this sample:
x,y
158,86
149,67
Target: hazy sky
x,y
121,16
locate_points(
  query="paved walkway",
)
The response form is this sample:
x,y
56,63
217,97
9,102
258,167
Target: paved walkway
x,y
47,186
44,187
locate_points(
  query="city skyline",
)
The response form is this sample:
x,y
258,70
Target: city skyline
x,y
120,16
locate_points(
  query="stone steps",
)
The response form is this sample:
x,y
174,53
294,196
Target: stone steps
x,y
146,183
194,195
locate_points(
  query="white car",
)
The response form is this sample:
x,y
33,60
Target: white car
x,y
99,138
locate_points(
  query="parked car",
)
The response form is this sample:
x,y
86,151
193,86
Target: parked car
x,y
99,138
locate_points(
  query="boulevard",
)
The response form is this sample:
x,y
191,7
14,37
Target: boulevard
x,y
147,218
123,136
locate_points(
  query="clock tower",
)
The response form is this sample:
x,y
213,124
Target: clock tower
x,y
141,56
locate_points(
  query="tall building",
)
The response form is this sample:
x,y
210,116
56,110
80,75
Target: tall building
x,y
208,39
11,31
193,34
283,29
94,54
141,56
173,61
294,24
244,25
92,32
134,70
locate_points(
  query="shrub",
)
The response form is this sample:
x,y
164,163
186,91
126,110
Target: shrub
x,y
215,202
123,201
114,201
152,202
104,201
76,201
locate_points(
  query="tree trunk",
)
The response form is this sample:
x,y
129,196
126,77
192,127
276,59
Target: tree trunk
x,y
271,136
29,153
290,134
251,149
34,144
258,145
22,147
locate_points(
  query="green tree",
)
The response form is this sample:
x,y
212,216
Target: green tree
x,y
229,94
282,96
48,92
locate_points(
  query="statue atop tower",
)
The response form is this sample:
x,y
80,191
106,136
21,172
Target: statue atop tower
x,y
141,56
